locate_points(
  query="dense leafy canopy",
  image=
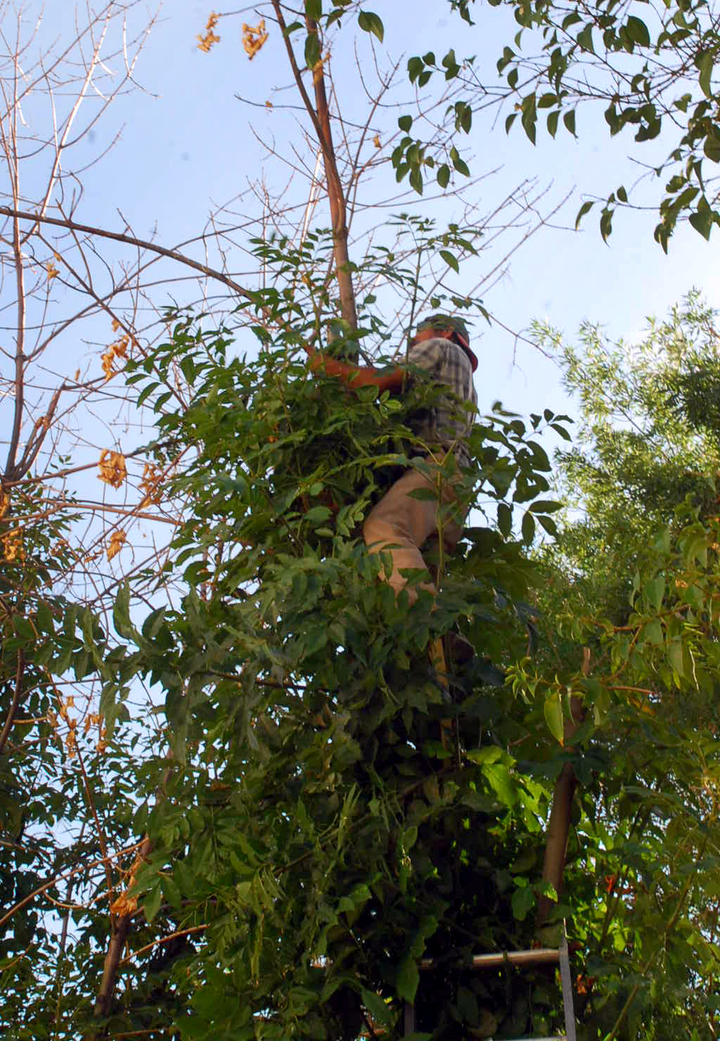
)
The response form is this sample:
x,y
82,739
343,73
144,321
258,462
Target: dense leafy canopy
x,y
311,835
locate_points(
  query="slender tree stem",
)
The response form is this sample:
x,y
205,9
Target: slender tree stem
x,y
321,124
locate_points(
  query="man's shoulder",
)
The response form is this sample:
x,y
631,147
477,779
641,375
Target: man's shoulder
x,y
440,354
429,352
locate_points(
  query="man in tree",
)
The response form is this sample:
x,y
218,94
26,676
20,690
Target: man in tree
x,y
400,523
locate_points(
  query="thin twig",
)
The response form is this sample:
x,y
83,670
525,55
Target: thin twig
x,y
164,939
117,236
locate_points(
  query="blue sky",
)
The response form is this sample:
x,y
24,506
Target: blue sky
x,y
196,146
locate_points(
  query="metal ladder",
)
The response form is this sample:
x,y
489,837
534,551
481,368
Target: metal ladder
x,y
538,956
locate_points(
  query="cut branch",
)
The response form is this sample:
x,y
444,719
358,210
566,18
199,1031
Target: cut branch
x,y
121,928
559,824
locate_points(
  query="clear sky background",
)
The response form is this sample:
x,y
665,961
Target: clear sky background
x,y
188,145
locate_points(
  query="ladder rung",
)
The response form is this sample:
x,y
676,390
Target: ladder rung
x,y
537,956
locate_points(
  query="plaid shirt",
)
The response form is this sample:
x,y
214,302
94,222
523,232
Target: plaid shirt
x,y
448,423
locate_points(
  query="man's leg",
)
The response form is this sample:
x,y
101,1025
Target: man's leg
x,y
400,524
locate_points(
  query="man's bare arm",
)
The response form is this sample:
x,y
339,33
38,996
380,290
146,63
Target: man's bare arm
x,y
355,375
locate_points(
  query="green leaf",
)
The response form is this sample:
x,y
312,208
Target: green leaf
x,y
528,528
654,590
313,9
292,28
312,50
585,40
407,979
449,259
606,223
443,175
318,514
653,633
152,902
554,717
638,31
504,518
121,611
711,148
546,506
146,392
702,222
459,164
405,122
500,779
675,656
552,123
585,208
523,901
569,121
522,864
371,23
705,63
561,431
548,524
378,1008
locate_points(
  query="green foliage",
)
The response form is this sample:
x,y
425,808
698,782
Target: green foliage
x,y
633,580
322,816
52,647
653,72
314,825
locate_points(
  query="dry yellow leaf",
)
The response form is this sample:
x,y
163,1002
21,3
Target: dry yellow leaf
x,y
113,470
115,350
12,545
254,38
90,721
52,271
116,543
4,503
71,743
124,904
150,485
210,37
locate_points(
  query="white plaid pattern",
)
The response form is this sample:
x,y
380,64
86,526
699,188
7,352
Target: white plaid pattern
x,y
448,423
